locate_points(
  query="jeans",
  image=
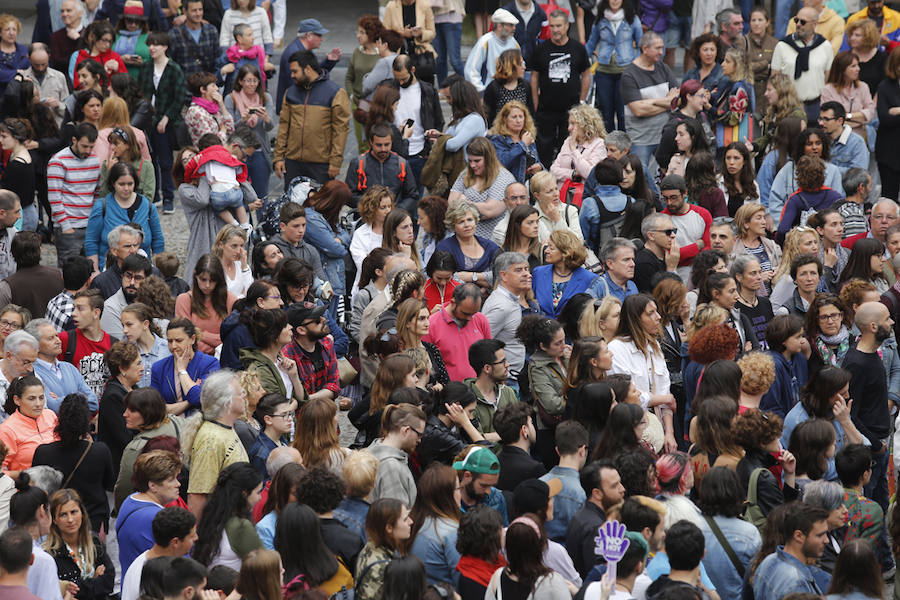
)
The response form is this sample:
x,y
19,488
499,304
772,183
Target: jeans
x,y
29,217
552,129
318,172
259,167
446,43
783,10
812,111
68,244
232,198
609,100
645,153
162,158
877,488
416,164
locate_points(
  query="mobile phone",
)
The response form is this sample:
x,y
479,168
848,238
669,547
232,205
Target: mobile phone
x,y
409,123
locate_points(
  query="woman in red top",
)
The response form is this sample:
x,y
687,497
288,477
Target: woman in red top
x,y
208,302
440,285
102,34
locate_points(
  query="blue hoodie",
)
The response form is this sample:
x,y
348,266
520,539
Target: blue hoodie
x,y
790,376
235,336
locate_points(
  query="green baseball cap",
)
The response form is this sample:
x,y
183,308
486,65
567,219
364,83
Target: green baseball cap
x,y
479,460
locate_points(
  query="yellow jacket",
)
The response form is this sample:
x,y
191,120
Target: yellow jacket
x,y
830,27
393,19
891,19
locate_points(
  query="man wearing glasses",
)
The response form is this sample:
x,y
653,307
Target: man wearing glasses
x,y
691,221
884,214
660,252
313,351
808,72
848,149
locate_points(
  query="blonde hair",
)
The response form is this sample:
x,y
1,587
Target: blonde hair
x,y
791,250
359,471
407,314
499,127
744,214
371,199
742,70
871,34
705,314
757,372
114,113
588,118
457,210
226,233
541,182
248,380
572,248
788,100
6,19
506,67
589,323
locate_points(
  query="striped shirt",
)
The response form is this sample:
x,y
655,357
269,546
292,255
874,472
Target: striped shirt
x,y
71,182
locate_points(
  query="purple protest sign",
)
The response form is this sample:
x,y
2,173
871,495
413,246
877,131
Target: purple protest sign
x,y
611,544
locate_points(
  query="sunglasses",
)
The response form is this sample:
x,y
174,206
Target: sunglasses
x,y
800,21
667,232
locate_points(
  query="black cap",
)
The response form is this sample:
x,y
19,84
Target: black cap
x,y
304,311
533,495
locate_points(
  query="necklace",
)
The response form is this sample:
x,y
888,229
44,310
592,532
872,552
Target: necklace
x,y
561,275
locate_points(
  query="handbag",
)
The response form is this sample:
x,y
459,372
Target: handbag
x,y
422,60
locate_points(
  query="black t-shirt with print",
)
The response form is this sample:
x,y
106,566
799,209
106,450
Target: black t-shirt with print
x,y
559,69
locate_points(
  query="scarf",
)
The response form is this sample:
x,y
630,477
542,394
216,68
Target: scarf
x,y
478,570
614,17
243,102
208,105
841,339
234,54
127,42
802,64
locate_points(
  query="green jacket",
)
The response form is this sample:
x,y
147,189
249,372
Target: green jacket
x,y
172,427
484,410
269,374
547,378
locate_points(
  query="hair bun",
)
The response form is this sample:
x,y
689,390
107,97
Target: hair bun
x,y
23,481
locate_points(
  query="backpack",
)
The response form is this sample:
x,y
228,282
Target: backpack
x,y
753,514
298,190
362,183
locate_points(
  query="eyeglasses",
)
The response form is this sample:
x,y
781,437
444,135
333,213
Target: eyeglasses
x,y
831,317
4,324
502,361
286,415
420,434
800,21
667,232
827,119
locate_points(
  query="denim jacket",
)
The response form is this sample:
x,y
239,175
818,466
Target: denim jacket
x,y
513,155
435,546
625,42
744,539
352,513
781,574
321,236
566,503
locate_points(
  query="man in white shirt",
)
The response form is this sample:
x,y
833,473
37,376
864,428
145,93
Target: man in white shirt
x,y
809,75
174,532
482,59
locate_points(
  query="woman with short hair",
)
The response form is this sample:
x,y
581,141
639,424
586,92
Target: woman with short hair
x,y
473,252
829,496
126,369
758,434
563,276
507,87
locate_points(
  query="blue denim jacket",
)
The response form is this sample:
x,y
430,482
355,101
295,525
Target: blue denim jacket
x,y
512,155
566,503
625,42
744,539
435,546
781,574
321,236
496,500
352,512
590,217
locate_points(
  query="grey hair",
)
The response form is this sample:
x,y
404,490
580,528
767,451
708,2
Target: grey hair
x,y
34,327
8,199
466,291
240,29
457,210
619,139
505,260
823,494
723,17
38,46
17,339
283,455
243,136
115,233
852,179
217,394
650,37
559,13
651,222
741,263
723,221
610,246
45,477
887,201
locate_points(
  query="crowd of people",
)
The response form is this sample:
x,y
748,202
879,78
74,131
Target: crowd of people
x,y
558,287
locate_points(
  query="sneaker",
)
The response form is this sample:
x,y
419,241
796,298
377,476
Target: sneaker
x,y
247,227
168,209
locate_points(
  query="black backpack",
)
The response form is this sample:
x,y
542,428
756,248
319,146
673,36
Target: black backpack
x,y
298,190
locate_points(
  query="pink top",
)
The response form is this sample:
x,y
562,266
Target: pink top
x,y
584,160
209,337
102,150
22,435
454,342
854,100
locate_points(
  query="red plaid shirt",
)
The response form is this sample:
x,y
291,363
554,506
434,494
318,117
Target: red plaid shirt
x,y
327,378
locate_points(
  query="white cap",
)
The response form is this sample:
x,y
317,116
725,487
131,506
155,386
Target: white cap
x,y
501,15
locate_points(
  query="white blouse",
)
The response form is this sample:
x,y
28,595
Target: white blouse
x,y
649,374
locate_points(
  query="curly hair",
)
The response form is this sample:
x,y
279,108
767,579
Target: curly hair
x,y
714,342
571,247
120,355
788,100
370,201
435,208
757,372
536,330
479,534
812,314
155,294
507,66
700,41
791,250
871,33
457,210
588,118
321,490
74,419
754,428
371,25
499,127
853,292
810,173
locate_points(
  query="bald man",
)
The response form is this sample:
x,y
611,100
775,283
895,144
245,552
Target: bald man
x,y
809,76
516,195
278,458
869,410
51,84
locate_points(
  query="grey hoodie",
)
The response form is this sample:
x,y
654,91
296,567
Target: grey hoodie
x,y
394,479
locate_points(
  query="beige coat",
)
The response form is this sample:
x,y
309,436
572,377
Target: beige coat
x,y
393,19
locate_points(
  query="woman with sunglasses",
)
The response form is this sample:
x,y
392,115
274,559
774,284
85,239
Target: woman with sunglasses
x,y
124,147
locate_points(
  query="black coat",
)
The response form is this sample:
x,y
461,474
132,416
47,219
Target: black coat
x,y
96,588
111,423
768,493
516,466
888,124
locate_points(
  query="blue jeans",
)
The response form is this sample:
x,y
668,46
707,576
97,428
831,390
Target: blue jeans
x,y
877,488
645,153
162,158
783,10
259,168
220,201
609,100
446,43
29,217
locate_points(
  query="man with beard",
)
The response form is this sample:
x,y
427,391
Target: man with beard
x,y
691,221
603,488
72,176
478,471
489,361
786,570
314,123
60,378
31,285
135,269
868,388
659,253
380,166
313,351
51,84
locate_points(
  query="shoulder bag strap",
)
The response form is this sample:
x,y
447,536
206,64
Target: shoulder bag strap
x,y
78,464
367,568
753,485
732,556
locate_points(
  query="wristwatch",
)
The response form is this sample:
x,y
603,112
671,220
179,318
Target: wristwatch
x,y
474,277
183,372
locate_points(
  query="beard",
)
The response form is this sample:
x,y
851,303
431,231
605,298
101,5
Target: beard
x,y
471,493
882,333
130,294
